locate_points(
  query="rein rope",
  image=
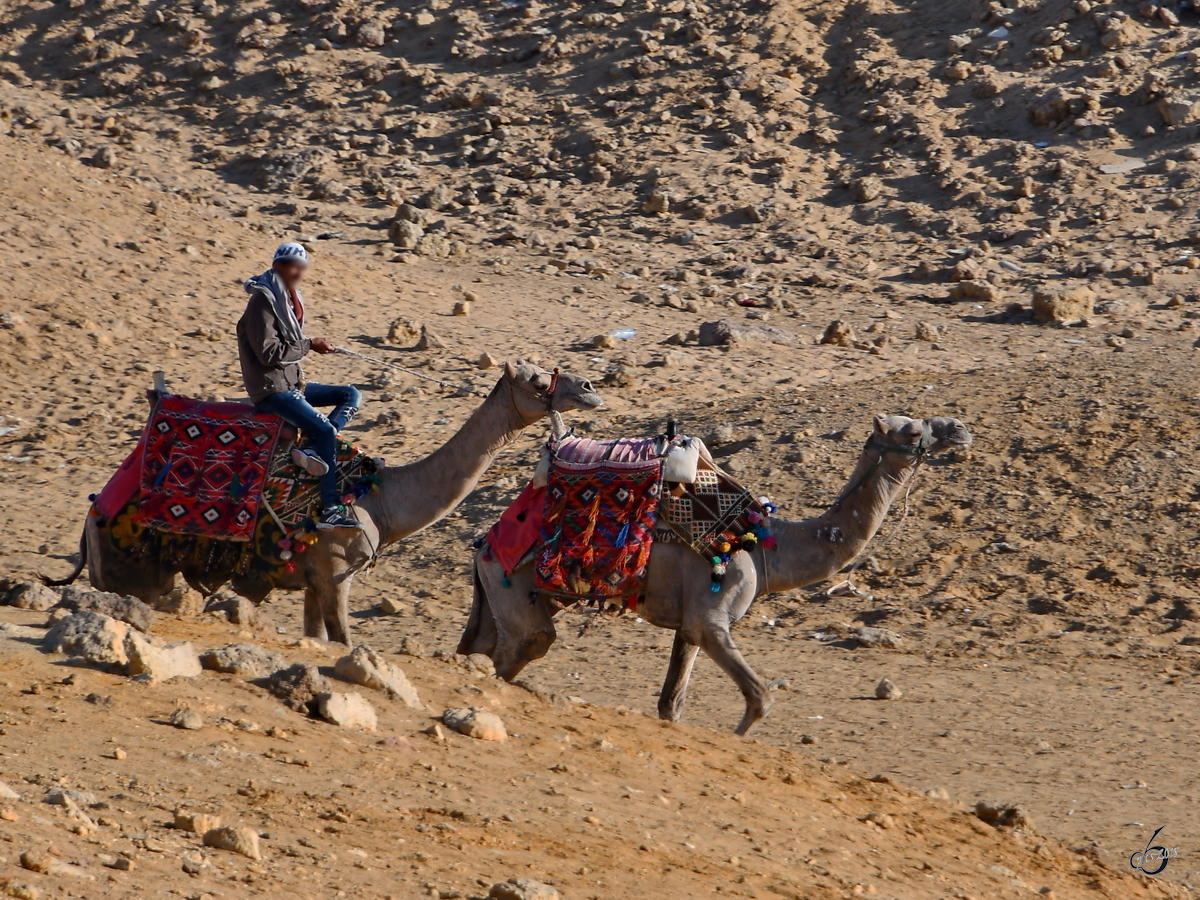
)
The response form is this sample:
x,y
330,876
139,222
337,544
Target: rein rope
x,y
919,450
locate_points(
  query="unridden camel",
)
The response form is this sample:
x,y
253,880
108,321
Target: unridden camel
x,y
514,626
410,498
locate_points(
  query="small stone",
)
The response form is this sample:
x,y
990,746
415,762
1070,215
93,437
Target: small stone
x,y
487,361
31,595
7,793
882,819
347,710
298,686
1177,109
187,718
129,610
1070,305
657,203
153,660
839,333
1004,815
435,731
462,308
522,889
37,861
976,290
371,34
887,690
105,158
245,660
926,331
366,667
405,234
236,840
878,637
476,723
867,189
119,754
85,35
403,332
807,739
412,646
602,342
196,823
429,340
240,611
390,606
96,638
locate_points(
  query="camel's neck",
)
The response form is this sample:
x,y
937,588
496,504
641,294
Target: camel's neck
x,y
415,496
815,549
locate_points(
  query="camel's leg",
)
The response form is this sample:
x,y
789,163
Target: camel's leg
x,y
337,612
314,620
679,672
718,644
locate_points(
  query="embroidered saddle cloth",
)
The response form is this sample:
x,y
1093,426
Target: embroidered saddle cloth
x,y
209,469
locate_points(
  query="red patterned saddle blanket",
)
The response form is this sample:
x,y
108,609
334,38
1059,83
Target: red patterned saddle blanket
x,y
210,469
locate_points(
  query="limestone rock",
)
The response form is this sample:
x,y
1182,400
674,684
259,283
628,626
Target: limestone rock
x,y
887,690
154,660
976,290
476,723
724,331
298,686
657,203
7,793
404,332
839,333
366,667
1004,815
246,660
1063,306
186,719
522,889
1177,109
878,637
239,611
429,340
236,840
462,308
405,234
487,361
390,606
371,33
94,637
105,157
867,189
30,595
196,823
347,710
129,610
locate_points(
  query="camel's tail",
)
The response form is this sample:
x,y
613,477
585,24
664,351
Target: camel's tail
x,y
60,582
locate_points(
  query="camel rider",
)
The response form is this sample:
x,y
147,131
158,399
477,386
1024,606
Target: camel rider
x,y
271,343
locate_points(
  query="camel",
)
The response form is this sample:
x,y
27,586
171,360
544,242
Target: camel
x,y
506,625
410,499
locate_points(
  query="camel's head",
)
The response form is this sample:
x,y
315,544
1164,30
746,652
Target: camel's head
x,y
537,391
918,436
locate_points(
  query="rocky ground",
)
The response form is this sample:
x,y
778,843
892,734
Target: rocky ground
x,y
807,214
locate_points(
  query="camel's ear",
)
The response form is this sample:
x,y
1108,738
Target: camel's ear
x,y
880,428
510,371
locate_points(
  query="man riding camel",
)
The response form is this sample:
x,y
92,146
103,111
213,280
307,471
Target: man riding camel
x,y
271,343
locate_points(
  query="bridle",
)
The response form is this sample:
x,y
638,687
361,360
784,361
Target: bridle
x,y
546,396
919,450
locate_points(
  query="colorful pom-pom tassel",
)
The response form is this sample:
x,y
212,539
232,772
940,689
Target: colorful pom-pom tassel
x,y
289,566
505,582
769,543
715,587
301,546
285,554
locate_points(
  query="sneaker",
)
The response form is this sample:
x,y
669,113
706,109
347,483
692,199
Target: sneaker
x,y
333,518
309,462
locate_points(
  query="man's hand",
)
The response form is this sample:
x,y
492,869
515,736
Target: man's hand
x,y
322,345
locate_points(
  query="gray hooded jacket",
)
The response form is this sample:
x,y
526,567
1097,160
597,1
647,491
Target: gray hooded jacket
x,y
271,341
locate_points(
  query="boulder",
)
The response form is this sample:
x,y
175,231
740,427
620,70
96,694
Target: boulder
x,y
522,889
867,189
405,234
196,823
839,333
236,840
28,595
1070,305
1177,109
404,332
186,719
366,667
154,660
298,686
887,690
371,33
129,610
347,710
1003,815
96,638
878,637
246,660
477,723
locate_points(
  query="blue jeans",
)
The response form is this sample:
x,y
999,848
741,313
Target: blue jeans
x,y
320,431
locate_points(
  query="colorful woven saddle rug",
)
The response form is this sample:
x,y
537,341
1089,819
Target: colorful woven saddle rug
x,y
210,469
591,528
598,521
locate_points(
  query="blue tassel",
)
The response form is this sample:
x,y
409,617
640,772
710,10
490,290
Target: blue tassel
x,y
505,582
715,587
623,535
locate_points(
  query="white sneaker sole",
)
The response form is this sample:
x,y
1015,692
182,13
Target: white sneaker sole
x,y
313,465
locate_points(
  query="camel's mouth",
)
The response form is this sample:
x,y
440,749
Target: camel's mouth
x,y
589,401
